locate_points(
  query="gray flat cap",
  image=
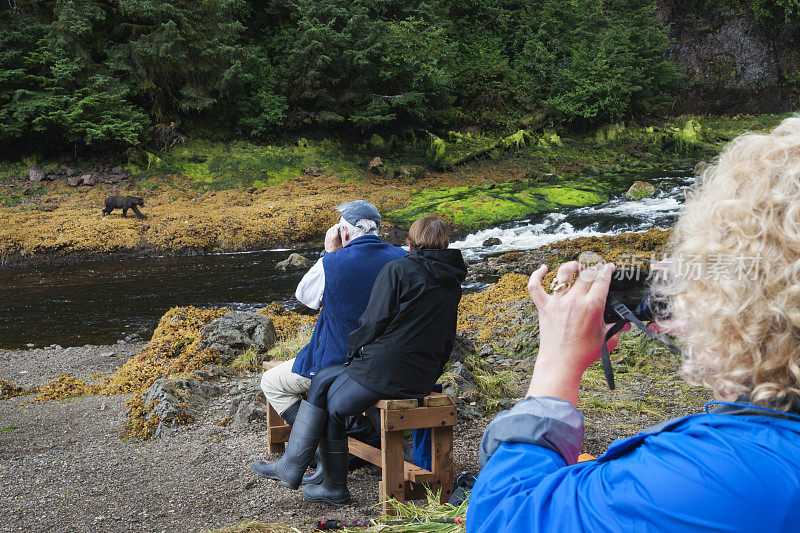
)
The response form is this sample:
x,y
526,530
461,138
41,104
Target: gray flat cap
x,y
357,210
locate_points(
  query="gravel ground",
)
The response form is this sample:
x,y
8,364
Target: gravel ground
x,y
65,467
36,367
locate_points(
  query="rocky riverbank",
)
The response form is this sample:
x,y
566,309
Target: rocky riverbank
x,y
67,465
206,198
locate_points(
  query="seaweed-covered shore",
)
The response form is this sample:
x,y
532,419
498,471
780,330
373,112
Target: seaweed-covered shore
x,y
70,460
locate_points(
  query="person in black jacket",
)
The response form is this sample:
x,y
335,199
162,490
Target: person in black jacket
x,y
399,350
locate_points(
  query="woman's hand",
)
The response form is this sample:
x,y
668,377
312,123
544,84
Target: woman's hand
x,y
571,328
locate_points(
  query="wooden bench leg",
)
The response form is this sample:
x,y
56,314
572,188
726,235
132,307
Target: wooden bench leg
x,y
277,431
393,483
442,460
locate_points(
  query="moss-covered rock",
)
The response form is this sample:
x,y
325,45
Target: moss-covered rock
x,y
471,207
641,189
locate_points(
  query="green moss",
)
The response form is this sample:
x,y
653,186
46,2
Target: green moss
x,y
464,148
377,143
229,165
471,207
13,196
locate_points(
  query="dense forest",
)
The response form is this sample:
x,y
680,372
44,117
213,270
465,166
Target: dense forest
x,y
103,74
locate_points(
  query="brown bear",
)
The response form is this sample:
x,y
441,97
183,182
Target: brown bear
x,y
125,203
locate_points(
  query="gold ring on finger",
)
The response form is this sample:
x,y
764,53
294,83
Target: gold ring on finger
x,y
560,287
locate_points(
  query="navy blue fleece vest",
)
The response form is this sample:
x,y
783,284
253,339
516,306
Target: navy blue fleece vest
x,y
349,275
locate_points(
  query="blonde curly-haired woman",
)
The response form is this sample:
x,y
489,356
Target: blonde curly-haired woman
x,y
735,467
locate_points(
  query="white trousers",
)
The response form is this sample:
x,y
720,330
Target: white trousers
x,y
282,387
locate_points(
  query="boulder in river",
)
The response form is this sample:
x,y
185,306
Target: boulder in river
x,y
294,262
641,189
236,332
492,241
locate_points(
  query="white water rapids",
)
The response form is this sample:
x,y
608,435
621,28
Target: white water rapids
x,y
618,215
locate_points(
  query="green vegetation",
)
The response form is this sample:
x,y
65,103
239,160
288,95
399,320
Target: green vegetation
x,y
150,73
219,165
420,514
470,207
288,348
14,196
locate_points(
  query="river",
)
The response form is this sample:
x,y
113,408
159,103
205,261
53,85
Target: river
x,y
110,301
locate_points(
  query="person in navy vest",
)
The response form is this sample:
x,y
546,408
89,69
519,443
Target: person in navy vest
x,y
399,350
734,467
340,283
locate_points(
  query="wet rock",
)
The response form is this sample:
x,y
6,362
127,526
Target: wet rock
x,y
175,401
249,412
244,391
236,332
462,381
486,350
506,403
74,181
492,241
641,189
462,348
213,372
114,178
36,174
88,179
468,410
294,262
510,257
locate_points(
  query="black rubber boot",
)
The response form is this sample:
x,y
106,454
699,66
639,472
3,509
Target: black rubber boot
x,y
262,468
312,478
300,449
333,489
290,413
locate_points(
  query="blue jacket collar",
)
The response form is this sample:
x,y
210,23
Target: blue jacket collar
x,y
743,408
364,239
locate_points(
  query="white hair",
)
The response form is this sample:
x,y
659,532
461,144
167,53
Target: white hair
x,y
365,226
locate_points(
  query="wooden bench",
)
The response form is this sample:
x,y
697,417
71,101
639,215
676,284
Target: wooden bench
x,y
399,479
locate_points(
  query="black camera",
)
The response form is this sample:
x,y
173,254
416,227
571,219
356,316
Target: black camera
x,y
629,287
629,300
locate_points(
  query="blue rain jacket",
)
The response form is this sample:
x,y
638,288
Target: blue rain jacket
x,y
350,273
707,472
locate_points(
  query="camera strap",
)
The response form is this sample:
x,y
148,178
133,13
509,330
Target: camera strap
x,y
625,316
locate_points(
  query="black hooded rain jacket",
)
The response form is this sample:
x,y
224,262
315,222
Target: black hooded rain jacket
x,y
407,331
